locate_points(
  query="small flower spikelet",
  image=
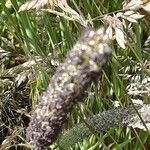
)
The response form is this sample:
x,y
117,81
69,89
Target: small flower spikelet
x,y
105,121
81,66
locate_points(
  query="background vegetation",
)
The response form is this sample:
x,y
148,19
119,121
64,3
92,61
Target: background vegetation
x,y
33,43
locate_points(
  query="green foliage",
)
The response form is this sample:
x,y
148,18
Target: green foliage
x,y
32,43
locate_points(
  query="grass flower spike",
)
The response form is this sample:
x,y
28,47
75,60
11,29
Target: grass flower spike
x,y
67,87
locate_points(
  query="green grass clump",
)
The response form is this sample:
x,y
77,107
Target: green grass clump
x,y
33,43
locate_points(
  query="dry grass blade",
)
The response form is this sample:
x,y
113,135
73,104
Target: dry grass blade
x,y
116,24
68,13
146,7
120,37
33,4
131,16
137,4
38,4
9,139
